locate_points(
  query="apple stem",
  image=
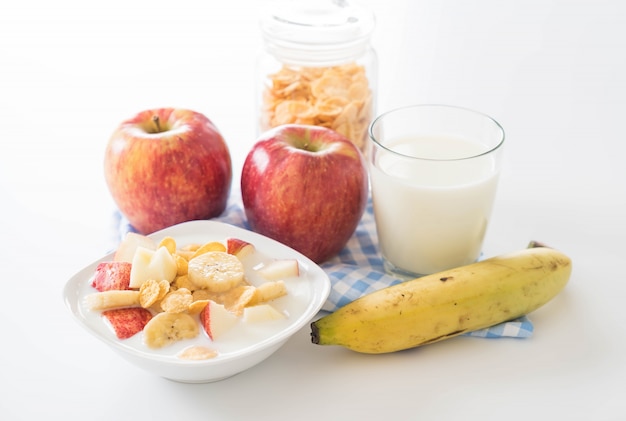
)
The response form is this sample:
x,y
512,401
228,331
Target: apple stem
x,y
157,125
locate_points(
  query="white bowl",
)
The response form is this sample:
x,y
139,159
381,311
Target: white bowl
x,y
310,291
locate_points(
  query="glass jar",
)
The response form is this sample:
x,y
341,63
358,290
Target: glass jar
x,y
318,67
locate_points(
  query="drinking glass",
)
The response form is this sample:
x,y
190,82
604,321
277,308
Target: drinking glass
x,y
434,172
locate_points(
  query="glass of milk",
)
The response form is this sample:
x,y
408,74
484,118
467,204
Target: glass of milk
x,y
434,172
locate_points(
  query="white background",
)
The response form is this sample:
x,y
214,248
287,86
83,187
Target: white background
x,y
552,72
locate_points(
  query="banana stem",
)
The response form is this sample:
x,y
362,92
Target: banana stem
x,y
534,244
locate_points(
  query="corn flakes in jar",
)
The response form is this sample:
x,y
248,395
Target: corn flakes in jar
x,y
317,67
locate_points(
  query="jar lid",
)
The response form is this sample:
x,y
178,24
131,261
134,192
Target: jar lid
x,y
325,28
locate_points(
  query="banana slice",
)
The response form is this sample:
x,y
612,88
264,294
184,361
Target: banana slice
x,y
268,291
216,271
167,328
112,299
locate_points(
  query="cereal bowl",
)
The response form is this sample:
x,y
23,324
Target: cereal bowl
x,y
242,347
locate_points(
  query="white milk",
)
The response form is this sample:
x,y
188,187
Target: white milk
x,y
432,215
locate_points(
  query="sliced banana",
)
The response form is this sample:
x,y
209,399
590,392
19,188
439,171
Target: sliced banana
x,y
167,328
216,271
112,299
268,291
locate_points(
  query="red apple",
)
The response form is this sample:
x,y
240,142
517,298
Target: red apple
x,y
238,247
305,186
166,166
112,276
126,322
216,320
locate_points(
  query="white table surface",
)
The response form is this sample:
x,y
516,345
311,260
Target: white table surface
x,y
552,72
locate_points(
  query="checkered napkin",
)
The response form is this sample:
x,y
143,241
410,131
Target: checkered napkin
x,y
356,271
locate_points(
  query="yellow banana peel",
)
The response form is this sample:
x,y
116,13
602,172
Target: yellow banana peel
x,y
447,304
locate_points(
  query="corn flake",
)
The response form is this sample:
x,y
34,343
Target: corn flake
x,y
336,97
149,293
207,247
197,353
177,301
183,281
169,243
197,306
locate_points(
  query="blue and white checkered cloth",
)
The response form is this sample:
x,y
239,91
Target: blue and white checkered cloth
x,y
356,271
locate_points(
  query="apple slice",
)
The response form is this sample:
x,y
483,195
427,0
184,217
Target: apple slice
x,y
279,269
127,247
261,313
151,264
112,276
126,322
216,319
239,247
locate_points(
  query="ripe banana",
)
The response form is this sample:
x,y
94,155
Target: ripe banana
x,y
448,303
167,328
216,271
110,299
